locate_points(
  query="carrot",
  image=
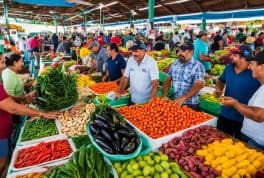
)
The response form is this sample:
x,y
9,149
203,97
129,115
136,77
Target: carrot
x,y
159,118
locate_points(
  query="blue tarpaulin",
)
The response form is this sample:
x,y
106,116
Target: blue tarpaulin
x,y
58,3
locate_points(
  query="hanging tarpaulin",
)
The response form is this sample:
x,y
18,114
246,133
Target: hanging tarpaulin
x,y
58,3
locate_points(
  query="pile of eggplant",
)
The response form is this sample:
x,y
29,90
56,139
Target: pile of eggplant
x,y
112,133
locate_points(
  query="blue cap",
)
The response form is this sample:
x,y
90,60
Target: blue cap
x,y
138,45
244,50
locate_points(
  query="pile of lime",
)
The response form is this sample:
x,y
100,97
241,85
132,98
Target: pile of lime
x,y
152,165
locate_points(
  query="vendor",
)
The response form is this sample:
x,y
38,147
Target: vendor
x,y
116,64
8,107
187,76
12,82
253,124
99,54
239,84
143,74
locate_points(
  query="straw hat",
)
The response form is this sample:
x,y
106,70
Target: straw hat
x,y
250,40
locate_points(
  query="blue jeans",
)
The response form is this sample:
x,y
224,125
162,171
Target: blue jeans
x,y
4,147
251,142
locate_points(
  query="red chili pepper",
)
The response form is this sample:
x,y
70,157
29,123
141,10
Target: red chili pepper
x,y
43,152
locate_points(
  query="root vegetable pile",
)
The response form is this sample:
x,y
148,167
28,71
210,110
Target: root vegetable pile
x,y
160,118
43,152
73,122
39,128
183,149
104,87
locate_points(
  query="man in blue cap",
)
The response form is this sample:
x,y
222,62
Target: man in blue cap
x,y
187,77
253,124
239,84
143,74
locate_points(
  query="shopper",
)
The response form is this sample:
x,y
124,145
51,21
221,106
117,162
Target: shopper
x,y
143,74
218,42
35,49
101,39
238,83
127,38
62,46
176,39
116,64
116,39
253,124
201,50
260,40
99,54
187,76
8,107
55,40
239,35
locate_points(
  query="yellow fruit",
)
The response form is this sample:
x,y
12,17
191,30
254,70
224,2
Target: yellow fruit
x,y
251,169
214,163
240,144
219,168
256,164
209,158
222,159
243,164
229,163
254,156
241,158
236,176
230,171
241,172
230,154
219,151
227,141
201,153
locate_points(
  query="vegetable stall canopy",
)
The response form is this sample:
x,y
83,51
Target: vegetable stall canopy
x,y
60,3
119,10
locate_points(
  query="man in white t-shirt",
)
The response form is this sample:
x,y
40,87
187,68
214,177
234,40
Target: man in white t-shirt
x,y
253,124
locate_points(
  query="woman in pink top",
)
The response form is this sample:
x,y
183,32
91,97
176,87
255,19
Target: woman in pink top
x,y
8,107
35,49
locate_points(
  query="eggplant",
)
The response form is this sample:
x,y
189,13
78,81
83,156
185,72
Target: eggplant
x,y
116,136
129,148
126,132
124,141
106,135
93,129
116,146
104,145
106,120
101,124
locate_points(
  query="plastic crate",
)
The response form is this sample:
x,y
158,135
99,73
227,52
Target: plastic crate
x,y
209,107
162,77
122,101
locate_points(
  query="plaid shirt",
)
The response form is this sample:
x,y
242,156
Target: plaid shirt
x,y
183,77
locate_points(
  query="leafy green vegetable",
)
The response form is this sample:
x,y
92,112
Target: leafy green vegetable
x,y
56,90
82,140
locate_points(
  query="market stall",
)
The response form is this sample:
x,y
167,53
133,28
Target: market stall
x,y
93,139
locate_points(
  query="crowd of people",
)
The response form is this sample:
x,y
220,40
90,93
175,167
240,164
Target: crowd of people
x,y
241,83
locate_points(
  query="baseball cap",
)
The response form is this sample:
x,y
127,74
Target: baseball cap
x,y
138,45
244,50
93,43
202,33
186,46
259,58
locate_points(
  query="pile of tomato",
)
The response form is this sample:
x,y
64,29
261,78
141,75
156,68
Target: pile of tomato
x,y
159,118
